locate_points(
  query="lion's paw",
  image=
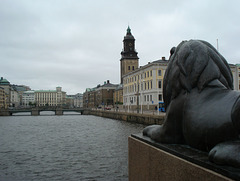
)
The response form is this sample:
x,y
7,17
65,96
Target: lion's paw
x,y
227,153
153,131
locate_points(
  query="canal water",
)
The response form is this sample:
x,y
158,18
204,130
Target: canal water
x,y
69,147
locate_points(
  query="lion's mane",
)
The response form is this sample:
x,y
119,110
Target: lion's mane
x,y
194,64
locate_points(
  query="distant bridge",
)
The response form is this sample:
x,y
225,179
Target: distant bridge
x,y
36,110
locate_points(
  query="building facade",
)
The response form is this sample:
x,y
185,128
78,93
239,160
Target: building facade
x,y
50,97
3,104
5,84
28,98
20,89
104,94
118,95
78,100
89,98
143,88
99,96
15,98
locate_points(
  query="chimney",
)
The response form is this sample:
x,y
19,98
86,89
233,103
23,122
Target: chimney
x,y
107,81
1,78
163,58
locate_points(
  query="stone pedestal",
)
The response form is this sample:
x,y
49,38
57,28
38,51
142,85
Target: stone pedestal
x,y
148,160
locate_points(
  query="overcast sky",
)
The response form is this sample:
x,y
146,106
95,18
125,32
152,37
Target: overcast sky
x,y
76,44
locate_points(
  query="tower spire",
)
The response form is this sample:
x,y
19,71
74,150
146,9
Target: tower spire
x,y
128,30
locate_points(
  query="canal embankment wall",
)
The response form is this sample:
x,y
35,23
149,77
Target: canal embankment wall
x,y
146,119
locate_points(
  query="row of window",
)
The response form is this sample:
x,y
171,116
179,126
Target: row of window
x,y
147,85
147,98
143,75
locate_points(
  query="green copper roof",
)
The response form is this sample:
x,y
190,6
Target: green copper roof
x,y
45,91
128,30
4,81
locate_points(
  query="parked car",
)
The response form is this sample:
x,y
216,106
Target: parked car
x,y
107,108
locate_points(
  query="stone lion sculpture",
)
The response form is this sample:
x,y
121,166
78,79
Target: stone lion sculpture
x,y
202,110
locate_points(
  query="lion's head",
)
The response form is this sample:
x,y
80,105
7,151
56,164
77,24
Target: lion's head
x,y
192,64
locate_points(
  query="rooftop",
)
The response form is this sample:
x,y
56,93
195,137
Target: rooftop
x,y
4,81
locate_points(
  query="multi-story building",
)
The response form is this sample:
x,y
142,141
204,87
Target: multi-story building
x,y
143,88
5,84
78,100
99,96
15,98
50,97
3,104
70,101
28,98
86,96
20,89
104,94
118,95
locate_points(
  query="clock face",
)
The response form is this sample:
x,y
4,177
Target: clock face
x,y
130,44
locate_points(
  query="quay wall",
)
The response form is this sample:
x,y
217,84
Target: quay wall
x,y
146,119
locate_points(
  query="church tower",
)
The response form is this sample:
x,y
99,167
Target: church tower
x,y
129,60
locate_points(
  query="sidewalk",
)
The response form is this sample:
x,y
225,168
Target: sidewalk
x,y
151,112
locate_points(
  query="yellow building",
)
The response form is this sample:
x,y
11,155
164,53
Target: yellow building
x,y
118,95
3,104
143,88
50,97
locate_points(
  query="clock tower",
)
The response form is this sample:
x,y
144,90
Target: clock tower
x,y
129,60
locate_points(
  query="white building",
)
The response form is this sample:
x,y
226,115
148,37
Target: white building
x,y
15,99
50,97
78,100
28,98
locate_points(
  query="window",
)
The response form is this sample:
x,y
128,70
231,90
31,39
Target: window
x,y
132,67
159,84
159,72
145,75
160,97
150,97
129,68
148,84
148,74
151,85
147,97
145,85
151,73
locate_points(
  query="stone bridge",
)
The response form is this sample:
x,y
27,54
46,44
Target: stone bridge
x,y
36,110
